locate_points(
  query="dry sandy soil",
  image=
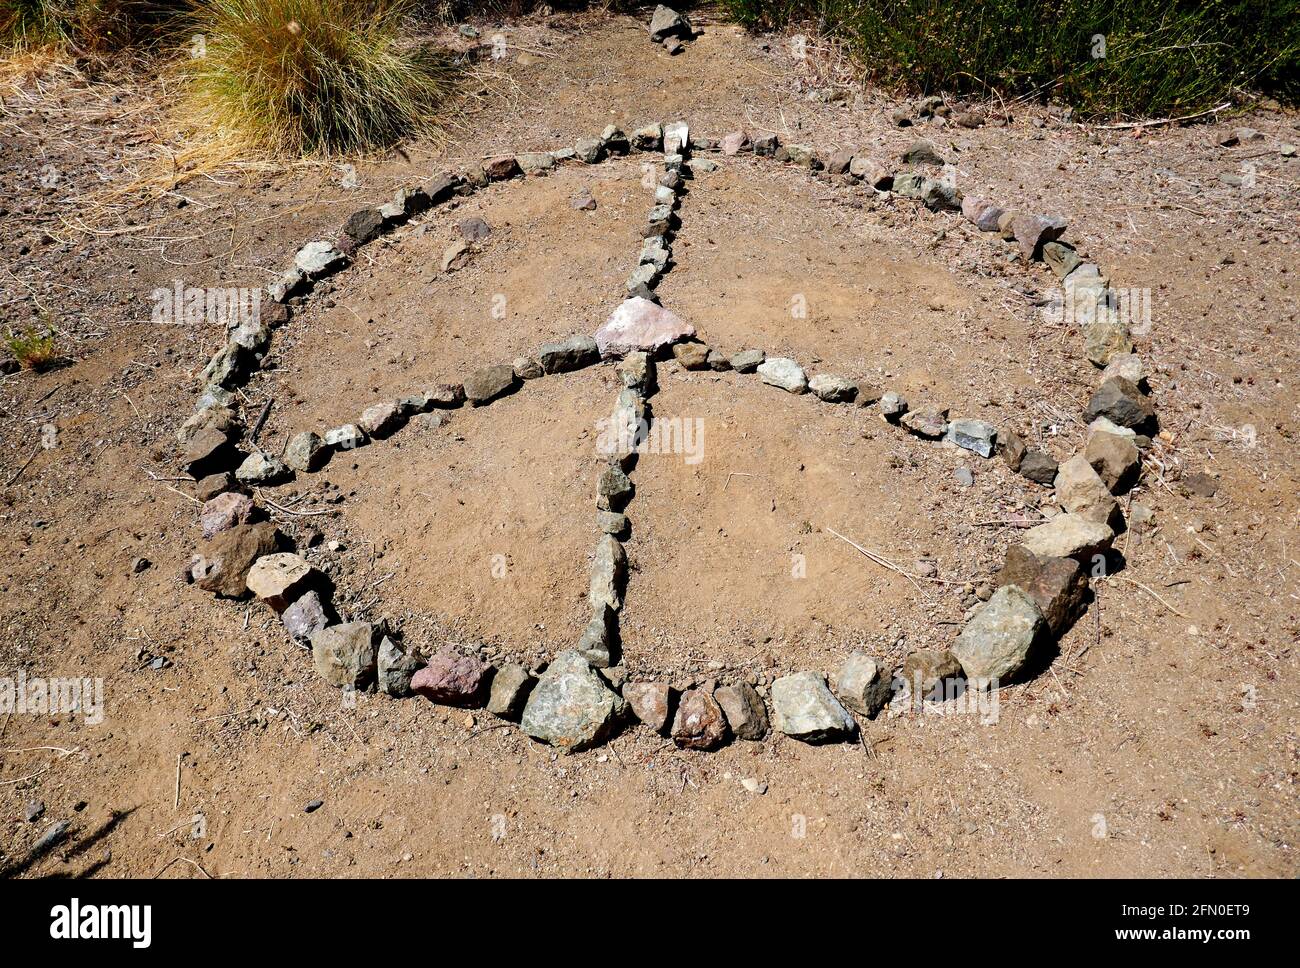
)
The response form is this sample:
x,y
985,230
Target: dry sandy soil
x,y
1161,741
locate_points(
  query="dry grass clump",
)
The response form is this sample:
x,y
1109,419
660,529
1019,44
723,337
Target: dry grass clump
x,y
34,349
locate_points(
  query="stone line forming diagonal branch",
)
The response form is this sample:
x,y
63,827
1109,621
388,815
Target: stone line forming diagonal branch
x,y
579,699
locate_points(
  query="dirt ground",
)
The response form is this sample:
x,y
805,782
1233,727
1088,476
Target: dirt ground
x,y
1160,742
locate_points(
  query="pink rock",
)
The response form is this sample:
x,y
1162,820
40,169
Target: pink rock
x,y
639,324
1034,231
734,143
225,511
451,679
982,212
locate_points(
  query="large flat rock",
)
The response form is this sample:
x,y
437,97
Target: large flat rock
x,y
639,324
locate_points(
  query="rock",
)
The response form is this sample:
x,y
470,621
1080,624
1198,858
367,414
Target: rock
x,y
970,118
803,708
926,670
765,145
613,488
313,805
1105,336
611,522
649,702
1061,258
446,395
642,280
977,436
457,256
589,150
305,617
510,688
735,143
677,138
754,785
278,579
667,22
1011,448
224,511
596,643
344,655
364,226
964,476
219,418
396,669
940,196
1081,491
1122,403
535,162
485,385
571,707
784,373
583,202
929,424
221,565
213,484
747,361
33,810
207,451
140,565
802,155
922,152
608,573
451,678
718,361
639,324
1115,459
527,368
691,356
1104,426
1032,232
910,184
1039,467
1141,517
636,371
839,161
1057,585
1069,536
474,229
1127,365
892,405
833,389
305,452
501,167
655,251
864,685
875,175
744,709
320,258
648,138
982,213
573,353
346,437
699,723
674,45
997,640
260,468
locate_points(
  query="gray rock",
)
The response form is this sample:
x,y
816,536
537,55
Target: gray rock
x,y
613,488
589,150
573,353
228,367
803,707
892,405
608,574
395,669
766,145
571,707
784,373
1122,403
1127,365
305,452
535,162
650,137
656,252
744,709
636,371
527,368
926,671
346,437
922,152
667,22
677,138
614,140
611,522
485,385
344,655
596,643
305,617
1069,536
964,476
1081,491
319,258
510,688
977,436
1061,258
1114,457
1105,336
718,361
864,685
997,640
747,361
833,389
260,468
642,280
446,395
1039,467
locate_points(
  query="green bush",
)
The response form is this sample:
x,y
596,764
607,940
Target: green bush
x,y
314,76
1161,57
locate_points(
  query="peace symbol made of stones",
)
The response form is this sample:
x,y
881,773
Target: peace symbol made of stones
x,y
582,696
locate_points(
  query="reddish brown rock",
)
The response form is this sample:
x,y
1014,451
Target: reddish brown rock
x,y
222,563
1057,585
649,702
700,723
451,679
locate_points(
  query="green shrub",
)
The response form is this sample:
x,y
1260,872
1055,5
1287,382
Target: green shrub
x,y
1161,57
34,349
314,76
